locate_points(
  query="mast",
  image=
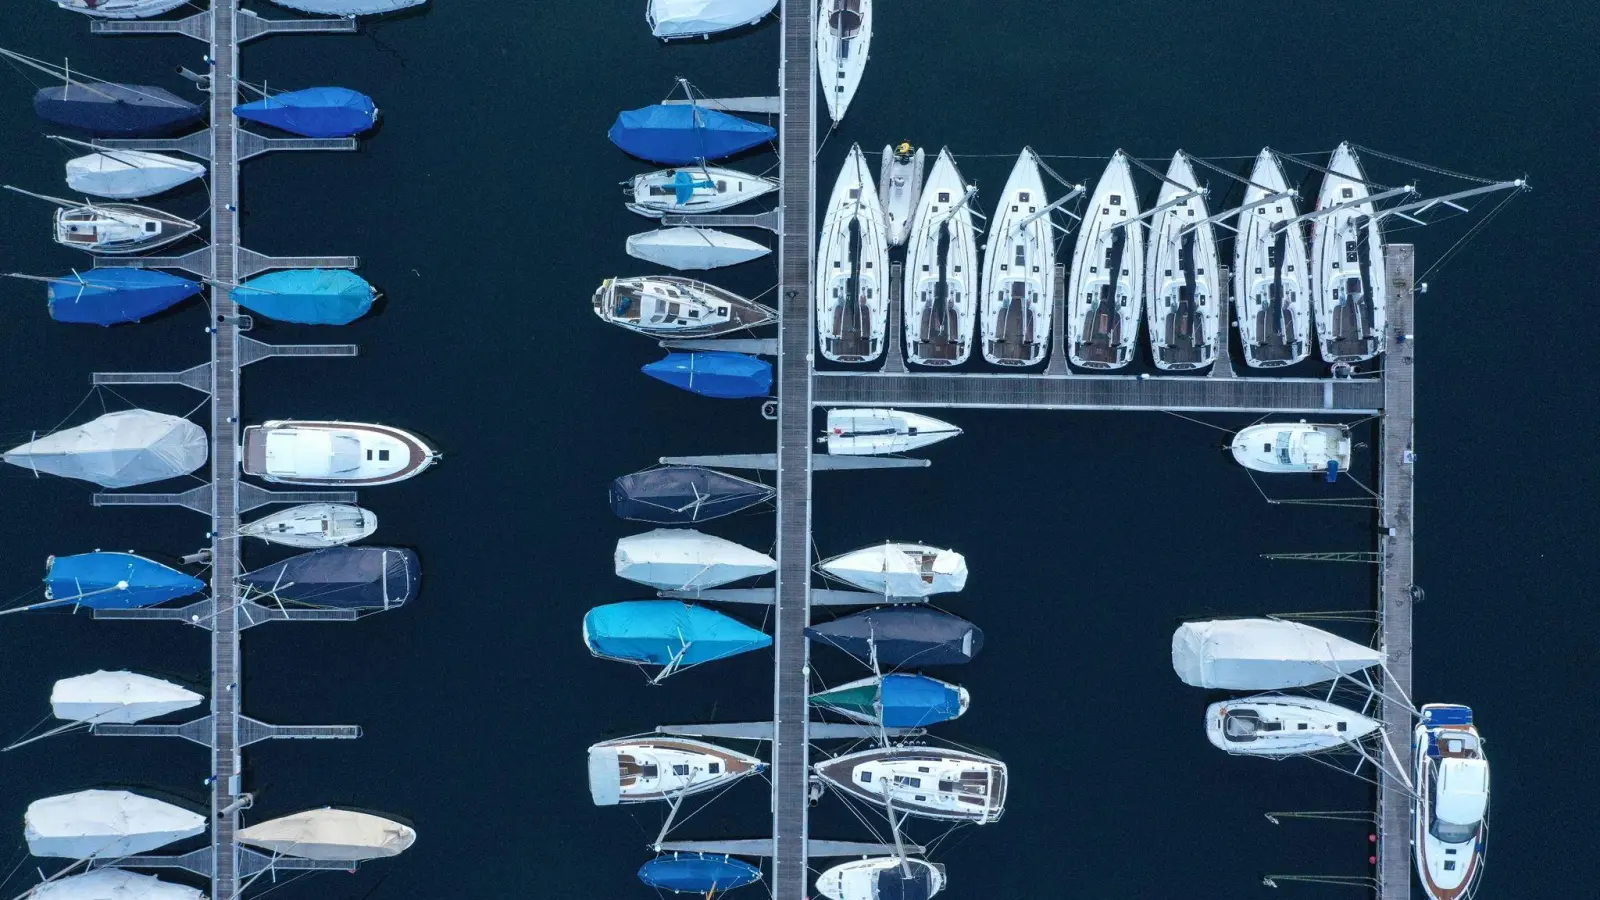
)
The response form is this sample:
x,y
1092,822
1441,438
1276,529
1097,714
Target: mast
x,y
1217,219
1165,206
56,200
1319,213
894,827
1027,220
1447,199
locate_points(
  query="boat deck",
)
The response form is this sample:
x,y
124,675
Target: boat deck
x,y
1020,342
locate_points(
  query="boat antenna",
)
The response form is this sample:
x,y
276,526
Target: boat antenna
x,y
894,828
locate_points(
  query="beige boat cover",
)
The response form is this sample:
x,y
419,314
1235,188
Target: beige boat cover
x,y
330,834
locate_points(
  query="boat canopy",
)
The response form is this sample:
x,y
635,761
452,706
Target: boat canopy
x,y
115,110
99,824
900,570
318,112
308,296
682,495
674,135
110,580
903,636
1463,791
113,884
330,834
682,559
1263,654
349,7
685,247
126,174
342,578
119,449
896,700
714,373
115,296
889,883
118,697
667,633
698,873
693,18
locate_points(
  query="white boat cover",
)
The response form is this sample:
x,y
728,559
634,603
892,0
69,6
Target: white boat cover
x,y
1263,654
900,570
118,697
683,247
1463,791
692,18
349,7
682,559
118,449
605,787
331,834
129,174
91,824
114,884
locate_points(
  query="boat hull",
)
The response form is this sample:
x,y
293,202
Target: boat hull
x,y
1347,264
313,526
1284,726
701,189
899,190
961,786
684,495
621,301
1449,863
620,771
714,373
1106,287
116,110
255,460
129,174
1271,288
1019,261
852,278
686,248
1183,304
1292,448
844,34
861,879
875,432
902,636
941,272
117,296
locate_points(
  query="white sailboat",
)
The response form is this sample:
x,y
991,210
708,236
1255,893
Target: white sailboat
x,y
330,834
289,451
852,282
1264,654
1271,287
1351,287
113,228
120,9
673,306
120,449
844,32
1293,447
693,189
941,277
1278,725
1450,816
882,878
645,769
314,525
899,187
1106,287
349,7
875,432
1019,263
932,782
686,247
682,559
113,884
101,824
1184,296
702,18
128,174
899,570
118,698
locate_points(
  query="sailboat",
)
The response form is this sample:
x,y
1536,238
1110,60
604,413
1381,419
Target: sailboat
x,y
702,18
118,697
697,189
1278,725
1019,264
359,578
316,112
113,884
1271,288
357,454
853,268
113,228
111,580
99,824
896,700
899,570
127,174
120,9
1450,816
1292,447
874,432
682,559
1351,288
671,306
882,878
314,525
707,874
1264,654
113,296
931,782
651,768
686,247
1105,289
844,32
105,108
308,296
942,271
714,373
902,636
899,188
679,134
1184,297
120,449
326,833
349,7
684,495
667,633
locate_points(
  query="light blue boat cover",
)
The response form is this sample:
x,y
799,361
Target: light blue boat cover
x,y
683,134
714,373
113,581
319,112
307,296
684,186
698,873
912,701
654,632
114,296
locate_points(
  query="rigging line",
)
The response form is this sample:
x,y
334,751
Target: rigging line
x,y
1437,170
824,141
1362,486
1471,233
1311,165
1198,422
292,880
92,391
198,406
13,872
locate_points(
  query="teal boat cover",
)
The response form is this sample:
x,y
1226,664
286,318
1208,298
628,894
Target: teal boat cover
x,y
667,633
307,296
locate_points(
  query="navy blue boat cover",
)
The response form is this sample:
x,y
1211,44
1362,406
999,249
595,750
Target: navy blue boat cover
x,y
683,495
714,373
905,635
340,578
115,110
114,296
891,884
683,134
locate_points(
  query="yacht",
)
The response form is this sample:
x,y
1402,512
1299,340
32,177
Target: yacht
x,y
1450,819
642,769
286,451
941,271
1271,294
1183,296
1019,262
899,187
692,189
882,878
899,570
673,306
1347,257
314,525
844,31
932,782
1107,281
853,268
1290,447
874,432
1284,725
117,228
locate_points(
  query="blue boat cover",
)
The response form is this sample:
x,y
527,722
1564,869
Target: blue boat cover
x,y
714,373
683,134
1442,714
891,884
307,296
915,635
115,110
683,495
113,581
698,873
684,186
319,112
657,632
114,296
341,578
912,701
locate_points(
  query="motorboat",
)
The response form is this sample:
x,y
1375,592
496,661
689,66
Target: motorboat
x,y
1106,287
1284,725
129,174
882,878
672,306
853,268
899,570
702,18
686,247
120,9
896,700
117,450
1271,287
645,769
1450,816
875,432
684,495
1184,298
118,228
359,578
314,525
902,636
102,824
1351,287
683,559
899,187
1019,263
1292,447
705,874
931,782
844,32
670,634
1264,654
942,271
290,451
693,189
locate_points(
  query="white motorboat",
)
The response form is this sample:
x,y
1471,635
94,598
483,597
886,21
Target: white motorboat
x,y
117,228
672,306
853,268
1105,290
874,432
1284,725
129,174
844,32
932,782
1350,285
1184,297
1019,271
941,275
682,559
693,189
113,884
287,451
882,878
643,769
328,833
1291,447
1271,287
120,9
702,18
1264,654
899,570
98,824
1450,816
899,186
686,247
314,525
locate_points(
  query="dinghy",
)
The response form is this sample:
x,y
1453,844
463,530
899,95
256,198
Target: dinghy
x,y
931,782
1019,271
330,834
1293,447
318,112
670,306
685,247
882,878
1350,283
684,495
349,7
702,18
700,189
107,580
1450,814
129,174
896,700
339,578
844,32
853,268
1182,297
1281,725
1271,294
114,296
1264,654
899,187
118,697
308,296
119,449
667,633
679,134
714,373
1105,292
707,874
682,559
313,525
120,9
290,451
899,570
942,271
902,636
113,884
874,432
645,769
105,824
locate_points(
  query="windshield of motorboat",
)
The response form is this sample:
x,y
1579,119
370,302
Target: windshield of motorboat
x,y
346,455
1281,448
1451,833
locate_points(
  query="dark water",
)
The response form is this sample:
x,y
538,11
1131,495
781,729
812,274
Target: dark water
x,y
486,209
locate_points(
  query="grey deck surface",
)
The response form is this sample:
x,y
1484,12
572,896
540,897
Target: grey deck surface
x,y
1184,393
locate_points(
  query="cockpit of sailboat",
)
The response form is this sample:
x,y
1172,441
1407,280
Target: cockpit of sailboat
x,y
844,19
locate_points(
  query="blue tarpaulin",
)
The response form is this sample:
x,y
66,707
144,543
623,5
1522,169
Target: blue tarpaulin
x,y
916,636
113,581
895,700
114,296
698,873
683,495
115,110
714,373
1446,714
307,296
319,112
340,578
684,185
683,134
667,632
